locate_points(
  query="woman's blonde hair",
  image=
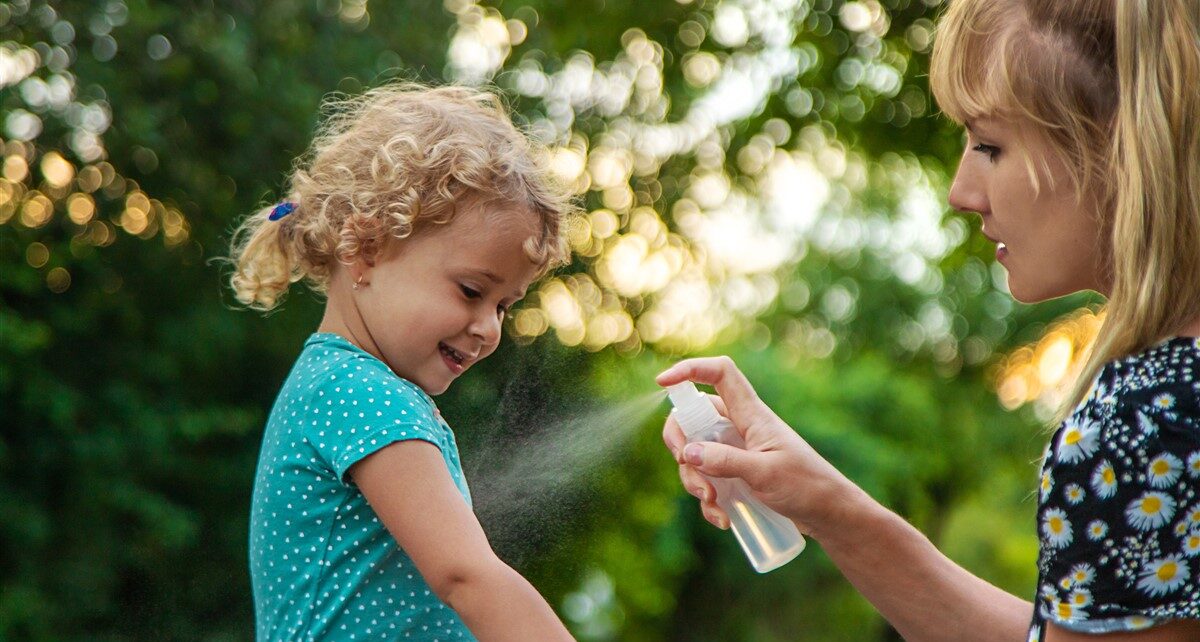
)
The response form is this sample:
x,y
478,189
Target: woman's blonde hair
x,y
1114,87
386,164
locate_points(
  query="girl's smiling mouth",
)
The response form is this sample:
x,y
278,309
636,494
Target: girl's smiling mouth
x,y
454,359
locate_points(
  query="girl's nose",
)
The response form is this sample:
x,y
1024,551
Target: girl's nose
x,y
486,328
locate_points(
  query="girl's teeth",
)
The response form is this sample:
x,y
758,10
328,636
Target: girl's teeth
x,y
452,353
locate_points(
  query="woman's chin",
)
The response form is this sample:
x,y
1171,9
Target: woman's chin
x,y
1025,292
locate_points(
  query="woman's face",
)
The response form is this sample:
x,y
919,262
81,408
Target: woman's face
x,y
1050,243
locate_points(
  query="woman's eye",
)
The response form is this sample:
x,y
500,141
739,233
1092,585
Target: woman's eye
x,y
469,293
991,150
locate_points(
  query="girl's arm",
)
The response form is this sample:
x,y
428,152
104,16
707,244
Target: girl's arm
x,y
410,489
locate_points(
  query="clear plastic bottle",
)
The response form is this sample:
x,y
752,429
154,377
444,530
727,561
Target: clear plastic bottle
x,y
769,539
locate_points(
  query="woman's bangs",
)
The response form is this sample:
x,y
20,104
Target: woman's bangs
x,y
967,74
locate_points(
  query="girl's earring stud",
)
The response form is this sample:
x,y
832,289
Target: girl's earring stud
x,y
358,283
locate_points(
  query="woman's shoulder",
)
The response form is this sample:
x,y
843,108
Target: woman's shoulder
x,y
1160,380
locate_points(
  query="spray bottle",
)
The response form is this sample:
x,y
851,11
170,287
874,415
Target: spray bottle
x,y
769,539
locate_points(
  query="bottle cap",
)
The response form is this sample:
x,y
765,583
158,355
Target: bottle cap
x,y
694,411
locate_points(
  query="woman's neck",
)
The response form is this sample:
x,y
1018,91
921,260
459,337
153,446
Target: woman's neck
x,y
1190,330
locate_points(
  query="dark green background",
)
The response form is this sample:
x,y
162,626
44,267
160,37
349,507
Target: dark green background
x,y
131,404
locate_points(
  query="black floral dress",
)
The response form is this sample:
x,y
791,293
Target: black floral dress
x,y
1118,512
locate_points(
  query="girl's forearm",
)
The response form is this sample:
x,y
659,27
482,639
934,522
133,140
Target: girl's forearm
x,y
923,594
499,605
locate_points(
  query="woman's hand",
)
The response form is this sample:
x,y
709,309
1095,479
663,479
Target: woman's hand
x,y
779,466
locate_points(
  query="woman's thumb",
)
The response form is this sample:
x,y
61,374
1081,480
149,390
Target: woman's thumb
x,y
719,460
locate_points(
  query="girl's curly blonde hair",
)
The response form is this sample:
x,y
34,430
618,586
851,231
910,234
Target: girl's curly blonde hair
x,y
389,163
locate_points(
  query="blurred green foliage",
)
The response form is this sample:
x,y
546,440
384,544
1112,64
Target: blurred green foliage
x,y
131,402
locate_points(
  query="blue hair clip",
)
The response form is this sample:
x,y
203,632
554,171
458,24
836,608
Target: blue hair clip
x,y
281,210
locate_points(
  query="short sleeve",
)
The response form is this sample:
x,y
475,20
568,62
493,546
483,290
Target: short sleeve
x,y
1119,517
359,414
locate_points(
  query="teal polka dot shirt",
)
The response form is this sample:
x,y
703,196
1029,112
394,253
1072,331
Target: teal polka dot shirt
x,y
323,567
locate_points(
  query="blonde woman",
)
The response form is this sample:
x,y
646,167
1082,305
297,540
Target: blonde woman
x,y
1083,160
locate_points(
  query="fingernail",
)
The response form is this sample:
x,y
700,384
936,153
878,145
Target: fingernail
x,y
694,454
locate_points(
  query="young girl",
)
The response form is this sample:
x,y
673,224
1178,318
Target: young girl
x,y
1083,160
423,215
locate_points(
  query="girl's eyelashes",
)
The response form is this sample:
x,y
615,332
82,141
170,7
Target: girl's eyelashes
x,y
991,150
472,293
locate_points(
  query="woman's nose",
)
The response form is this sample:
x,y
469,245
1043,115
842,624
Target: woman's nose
x,y
966,192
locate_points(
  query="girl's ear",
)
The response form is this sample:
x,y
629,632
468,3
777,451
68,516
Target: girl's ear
x,y
360,271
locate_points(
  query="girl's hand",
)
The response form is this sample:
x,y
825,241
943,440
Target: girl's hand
x,y
779,466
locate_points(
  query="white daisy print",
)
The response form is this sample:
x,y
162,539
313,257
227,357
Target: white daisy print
x,y
1080,598
1056,530
1151,510
1077,441
1164,575
1163,470
1193,464
1096,530
1191,544
1082,574
1064,611
1146,424
1138,622
1104,480
1165,401
1074,493
1047,484
1193,514
1035,634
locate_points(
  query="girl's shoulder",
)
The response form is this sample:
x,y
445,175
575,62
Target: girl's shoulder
x,y
344,404
333,367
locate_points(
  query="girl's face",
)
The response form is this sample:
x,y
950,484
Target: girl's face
x,y
1050,243
433,303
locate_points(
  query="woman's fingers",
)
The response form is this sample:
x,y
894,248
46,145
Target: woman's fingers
x,y
673,438
695,484
721,373
698,486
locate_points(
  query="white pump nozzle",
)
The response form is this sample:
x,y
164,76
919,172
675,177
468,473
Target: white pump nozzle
x,y
693,409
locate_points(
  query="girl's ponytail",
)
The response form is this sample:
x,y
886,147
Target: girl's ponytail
x,y
266,261
1155,271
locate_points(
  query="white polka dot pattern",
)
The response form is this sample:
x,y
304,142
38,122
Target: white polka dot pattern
x,y
323,567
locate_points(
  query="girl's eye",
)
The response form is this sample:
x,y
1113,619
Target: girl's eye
x,y
470,293
501,311
991,150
